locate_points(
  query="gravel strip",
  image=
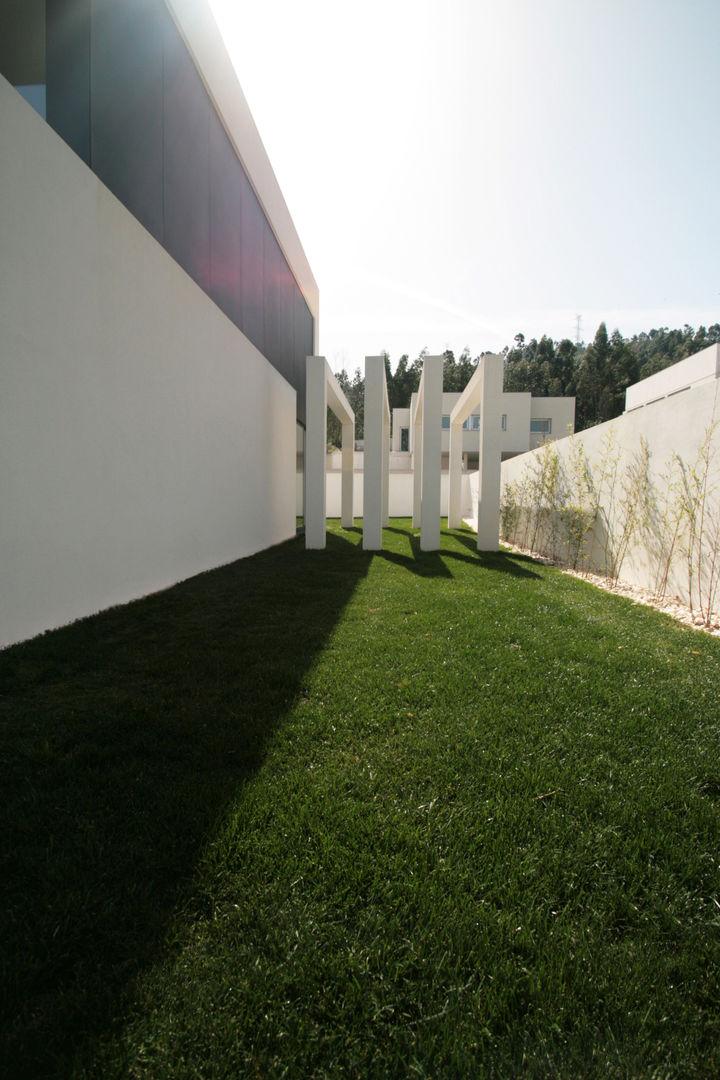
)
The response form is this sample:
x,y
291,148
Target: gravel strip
x,y
672,605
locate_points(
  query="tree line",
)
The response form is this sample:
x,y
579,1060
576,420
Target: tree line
x,y
596,375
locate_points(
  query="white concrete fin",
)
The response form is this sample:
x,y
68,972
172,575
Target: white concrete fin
x,y
376,477
485,390
427,425
323,391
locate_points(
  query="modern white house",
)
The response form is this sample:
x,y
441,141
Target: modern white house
x,y
156,311
525,422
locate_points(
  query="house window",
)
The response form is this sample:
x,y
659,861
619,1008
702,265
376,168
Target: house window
x,y
541,427
404,438
446,422
472,423
503,422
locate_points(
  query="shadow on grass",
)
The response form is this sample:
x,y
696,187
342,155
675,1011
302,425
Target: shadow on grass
x,y
125,737
509,562
433,563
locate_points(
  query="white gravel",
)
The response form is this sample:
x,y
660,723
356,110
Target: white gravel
x,y
671,605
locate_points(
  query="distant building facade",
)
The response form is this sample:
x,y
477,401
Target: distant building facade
x,y
525,421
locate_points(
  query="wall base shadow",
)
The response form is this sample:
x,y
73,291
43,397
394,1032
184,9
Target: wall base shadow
x,y
125,737
505,561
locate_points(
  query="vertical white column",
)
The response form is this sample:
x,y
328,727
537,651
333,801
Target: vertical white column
x,y
385,461
348,468
315,451
488,535
431,443
455,477
373,454
417,461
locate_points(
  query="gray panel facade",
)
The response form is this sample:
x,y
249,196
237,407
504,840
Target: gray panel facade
x,y
226,245
68,72
252,230
126,104
303,337
186,159
22,41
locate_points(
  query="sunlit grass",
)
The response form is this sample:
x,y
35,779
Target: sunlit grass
x,y
333,814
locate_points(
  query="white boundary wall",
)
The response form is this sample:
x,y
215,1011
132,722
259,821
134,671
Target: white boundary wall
x,y
674,425
143,438
400,495
702,367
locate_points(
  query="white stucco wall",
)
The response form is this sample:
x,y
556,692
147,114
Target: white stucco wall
x,y
400,461
672,426
559,410
516,437
400,494
702,367
143,438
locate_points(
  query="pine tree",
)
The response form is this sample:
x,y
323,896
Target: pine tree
x,y
595,397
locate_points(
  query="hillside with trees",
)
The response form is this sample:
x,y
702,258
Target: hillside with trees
x,y
596,375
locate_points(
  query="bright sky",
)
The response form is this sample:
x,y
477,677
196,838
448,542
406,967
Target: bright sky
x,y
461,170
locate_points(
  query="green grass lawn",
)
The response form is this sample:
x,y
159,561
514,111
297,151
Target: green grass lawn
x,y
332,814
